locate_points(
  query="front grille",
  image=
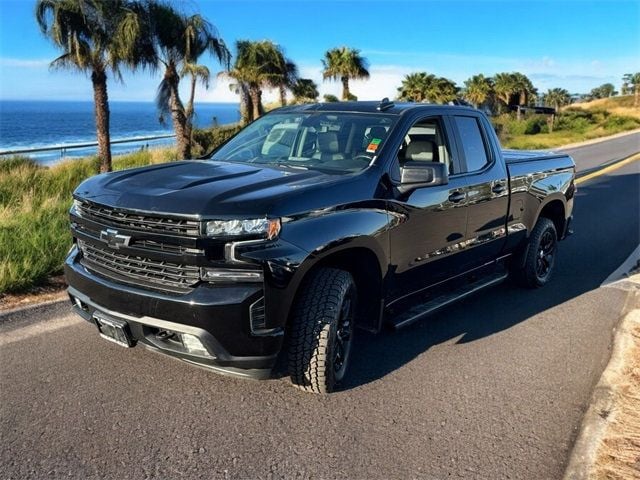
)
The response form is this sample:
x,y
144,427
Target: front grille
x,y
139,270
136,221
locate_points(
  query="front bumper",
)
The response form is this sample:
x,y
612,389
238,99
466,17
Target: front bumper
x,y
218,315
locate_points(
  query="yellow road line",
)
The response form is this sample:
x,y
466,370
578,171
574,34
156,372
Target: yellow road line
x,y
608,169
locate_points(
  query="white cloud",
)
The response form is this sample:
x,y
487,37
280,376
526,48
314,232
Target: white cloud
x,y
24,63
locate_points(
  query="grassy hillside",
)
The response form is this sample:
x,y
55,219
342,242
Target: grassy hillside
x,y
622,106
576,123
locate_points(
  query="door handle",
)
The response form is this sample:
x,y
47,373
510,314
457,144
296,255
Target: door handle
x,y
456,197
498,188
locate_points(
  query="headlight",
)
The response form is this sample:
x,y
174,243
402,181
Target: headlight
x,y
233,228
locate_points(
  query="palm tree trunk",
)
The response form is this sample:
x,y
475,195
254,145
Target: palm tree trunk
x,y
255,94
345,88
246,106
190,109
283,95
101,106
178,114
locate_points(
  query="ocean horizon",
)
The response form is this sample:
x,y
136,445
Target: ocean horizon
x,y
26,124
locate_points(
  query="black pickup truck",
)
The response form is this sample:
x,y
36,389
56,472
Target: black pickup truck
x,y
311,221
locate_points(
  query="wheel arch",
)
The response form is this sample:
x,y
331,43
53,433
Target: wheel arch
x,y
555,210
365,265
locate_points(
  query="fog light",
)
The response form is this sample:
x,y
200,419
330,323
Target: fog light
x,y
193,345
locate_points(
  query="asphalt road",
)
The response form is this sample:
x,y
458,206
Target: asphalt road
x,y
494,387
591,156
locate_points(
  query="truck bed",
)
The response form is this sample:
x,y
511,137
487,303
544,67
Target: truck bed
x,y
518,156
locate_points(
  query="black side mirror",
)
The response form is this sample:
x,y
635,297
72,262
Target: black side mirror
x,y
422,174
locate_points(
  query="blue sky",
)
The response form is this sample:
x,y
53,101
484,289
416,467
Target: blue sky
x,y
576,45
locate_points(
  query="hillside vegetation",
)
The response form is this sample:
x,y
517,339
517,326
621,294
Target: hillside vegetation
x,y
622,105
34,201
576,123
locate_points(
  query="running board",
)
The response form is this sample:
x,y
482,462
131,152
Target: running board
x,y
419,311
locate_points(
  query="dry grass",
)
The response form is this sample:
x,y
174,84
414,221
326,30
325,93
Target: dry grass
x,y
618,456
622,105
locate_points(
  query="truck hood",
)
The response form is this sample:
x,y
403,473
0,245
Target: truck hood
x,y
204,188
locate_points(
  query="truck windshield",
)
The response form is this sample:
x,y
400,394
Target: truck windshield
x,y
333,141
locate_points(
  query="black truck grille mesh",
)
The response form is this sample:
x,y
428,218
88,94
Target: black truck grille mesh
x,y
139,270
136,221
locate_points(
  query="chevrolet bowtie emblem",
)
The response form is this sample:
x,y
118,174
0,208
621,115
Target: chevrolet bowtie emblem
x,y
114,239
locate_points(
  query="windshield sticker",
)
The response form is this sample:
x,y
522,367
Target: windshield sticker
x,y
373,145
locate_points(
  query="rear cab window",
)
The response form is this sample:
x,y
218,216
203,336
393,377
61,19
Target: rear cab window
x,y
474,146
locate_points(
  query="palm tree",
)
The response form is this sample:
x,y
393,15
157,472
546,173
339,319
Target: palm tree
x,y
633,80
288,78
96,37
442,90
345,64
504,87
414,87
178,42
556,98
305,90
258,65
200,38
524,89
478,89
424,87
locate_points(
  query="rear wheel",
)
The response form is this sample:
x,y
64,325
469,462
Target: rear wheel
x,y
540,255
321,332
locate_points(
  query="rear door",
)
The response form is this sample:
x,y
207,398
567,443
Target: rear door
x,y
487,189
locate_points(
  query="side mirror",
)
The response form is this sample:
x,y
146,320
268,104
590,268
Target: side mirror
x,y
422,174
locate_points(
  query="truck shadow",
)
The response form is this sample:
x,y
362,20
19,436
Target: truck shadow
x,y
585,260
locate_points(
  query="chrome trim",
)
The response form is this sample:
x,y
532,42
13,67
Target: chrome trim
x,y
230,249
469,243
209,274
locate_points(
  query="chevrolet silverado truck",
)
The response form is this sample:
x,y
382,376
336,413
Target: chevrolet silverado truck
x,y
311,222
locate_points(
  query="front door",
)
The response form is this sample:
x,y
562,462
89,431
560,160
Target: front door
x,y
430,222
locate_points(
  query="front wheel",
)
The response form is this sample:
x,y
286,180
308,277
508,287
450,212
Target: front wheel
x,y
540,255
321,332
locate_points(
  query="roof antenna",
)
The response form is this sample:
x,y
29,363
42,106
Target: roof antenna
x,y
385,104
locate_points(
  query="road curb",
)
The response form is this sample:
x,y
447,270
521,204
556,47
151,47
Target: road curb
x,y
582,459
8,316
593,141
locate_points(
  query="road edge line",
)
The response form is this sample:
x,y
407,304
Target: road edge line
x,y
583,456
610,167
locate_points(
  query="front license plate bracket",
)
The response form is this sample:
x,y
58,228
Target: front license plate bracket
x,y
114,330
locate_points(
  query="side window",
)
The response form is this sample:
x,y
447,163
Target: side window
x,y
425,142
475,150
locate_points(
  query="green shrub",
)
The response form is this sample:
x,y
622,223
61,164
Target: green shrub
x,y
617,123
536,124
208,139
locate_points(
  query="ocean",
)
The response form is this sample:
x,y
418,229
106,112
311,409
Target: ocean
x,y
33,124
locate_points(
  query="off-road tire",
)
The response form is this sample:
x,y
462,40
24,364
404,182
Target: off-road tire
x,y
528,274
315,323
